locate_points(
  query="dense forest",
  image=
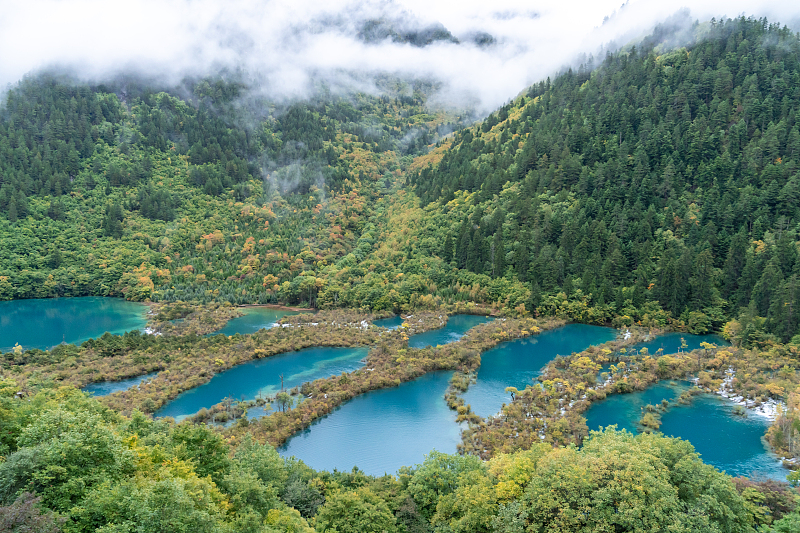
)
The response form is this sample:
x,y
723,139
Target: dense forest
x,y
659,186
120,189
667,177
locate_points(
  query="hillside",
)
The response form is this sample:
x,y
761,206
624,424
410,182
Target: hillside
x,y
662,184
121,189
659,187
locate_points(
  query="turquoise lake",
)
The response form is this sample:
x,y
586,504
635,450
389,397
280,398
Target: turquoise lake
x,y
456,327
671,342
254,319
107,387
262,377
625,410
388,323
382,430
44,323
729,442
518,363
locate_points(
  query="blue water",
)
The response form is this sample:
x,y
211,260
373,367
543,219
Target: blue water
x,y
389,323
727,441
456,327
382,430
254,319
262,377
517,363
107,387
671,342
625,410
44,323
724,440
258,411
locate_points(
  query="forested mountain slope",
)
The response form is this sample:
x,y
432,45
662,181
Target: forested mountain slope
x,y
661,181
662,185
213,195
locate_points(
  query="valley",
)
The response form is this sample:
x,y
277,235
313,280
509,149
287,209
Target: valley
x,y
368,311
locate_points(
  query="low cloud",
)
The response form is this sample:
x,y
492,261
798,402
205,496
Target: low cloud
x,y
480,53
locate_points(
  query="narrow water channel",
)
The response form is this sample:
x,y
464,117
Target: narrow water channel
x,y
254,319
671,343
456,327
105,388
388,323
262,377
518,363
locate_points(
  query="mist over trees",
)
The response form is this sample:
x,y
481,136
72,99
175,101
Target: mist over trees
x,y
123,161
661,184
664,176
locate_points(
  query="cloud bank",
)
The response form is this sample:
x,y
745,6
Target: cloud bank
x,y
482,53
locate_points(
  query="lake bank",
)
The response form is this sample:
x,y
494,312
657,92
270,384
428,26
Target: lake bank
x,y
263,378
390,364
725,439
518,363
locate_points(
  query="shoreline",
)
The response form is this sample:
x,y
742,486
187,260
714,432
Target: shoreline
x,y
768,409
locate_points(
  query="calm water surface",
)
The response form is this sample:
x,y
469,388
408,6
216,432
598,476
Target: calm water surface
x,y
389,323
107,387
382,430
456,327
670,343
625,410
517,363
262,377
723,439
44,323
254,319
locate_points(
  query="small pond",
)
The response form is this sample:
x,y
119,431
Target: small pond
x,y
44,323
388,323
382,430
105,388
723,439
261,377
625,410
517,363
254,319
456,327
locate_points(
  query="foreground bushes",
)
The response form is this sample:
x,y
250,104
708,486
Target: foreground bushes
x,y
74,465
